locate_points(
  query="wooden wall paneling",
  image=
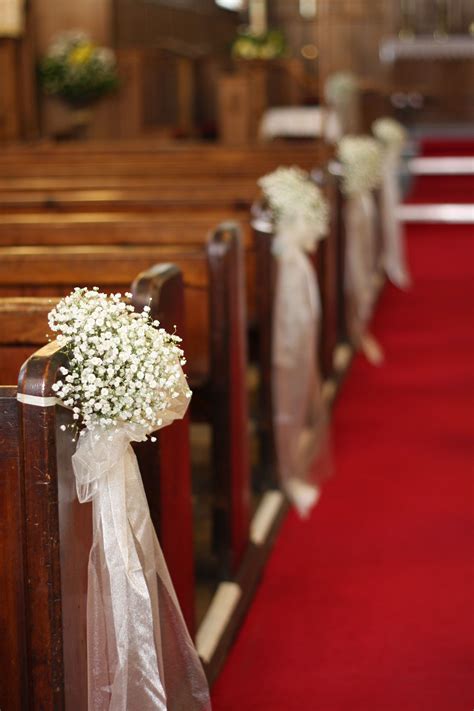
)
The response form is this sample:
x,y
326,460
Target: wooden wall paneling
x,y
10,119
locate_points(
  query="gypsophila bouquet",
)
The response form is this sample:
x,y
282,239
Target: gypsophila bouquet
x,y
339,88
77,70
361,158
389,132
122,367
298,206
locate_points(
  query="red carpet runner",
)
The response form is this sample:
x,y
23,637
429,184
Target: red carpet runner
x,y
369,606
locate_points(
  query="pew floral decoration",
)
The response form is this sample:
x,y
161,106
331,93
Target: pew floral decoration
x,y
122,367
389,132
361,159
340,87
294,199
340,92
393,137
123,381
301,218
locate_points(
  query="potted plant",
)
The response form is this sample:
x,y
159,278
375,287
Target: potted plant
x,y
79,73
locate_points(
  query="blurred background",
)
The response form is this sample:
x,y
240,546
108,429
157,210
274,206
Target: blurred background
x,y
210,69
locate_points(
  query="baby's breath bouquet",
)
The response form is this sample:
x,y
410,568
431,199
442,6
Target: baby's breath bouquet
x,y
77,70
123,380
122,367
339,88
389,132
361,158
300,210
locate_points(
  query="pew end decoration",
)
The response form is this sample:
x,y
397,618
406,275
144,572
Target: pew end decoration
x,y
78,71
123,380
392,136
300,216
341,95
361,160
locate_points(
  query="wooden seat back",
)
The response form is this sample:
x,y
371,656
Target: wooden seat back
x,y
12,579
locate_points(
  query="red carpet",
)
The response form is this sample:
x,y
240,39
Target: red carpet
x,y
447,147
442,188
369,605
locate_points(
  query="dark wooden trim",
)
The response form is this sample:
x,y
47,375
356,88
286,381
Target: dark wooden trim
x,y
43,570
265,291
13,655
165,465
248,578
228,387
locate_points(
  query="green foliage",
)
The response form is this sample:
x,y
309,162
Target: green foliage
x,y
270,45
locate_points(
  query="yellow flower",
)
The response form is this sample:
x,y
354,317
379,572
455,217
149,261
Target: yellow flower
x,y
81,54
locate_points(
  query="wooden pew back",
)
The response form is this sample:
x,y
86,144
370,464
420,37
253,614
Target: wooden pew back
x,y
12,608
214,344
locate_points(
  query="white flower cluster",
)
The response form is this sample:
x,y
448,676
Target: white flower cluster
x,y
361,158
389,132
298,205
122,367
339,88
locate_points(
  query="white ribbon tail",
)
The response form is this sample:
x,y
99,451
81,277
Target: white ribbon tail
x,y
300,420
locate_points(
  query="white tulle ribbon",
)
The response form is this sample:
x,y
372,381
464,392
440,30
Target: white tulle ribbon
x,y
300,418
140,655
361,270
393,257
332,127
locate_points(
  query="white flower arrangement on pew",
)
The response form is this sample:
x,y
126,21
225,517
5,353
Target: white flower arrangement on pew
x,y
299,208
392,136
389,132
340,87
361,158
124,380
300,214
123,368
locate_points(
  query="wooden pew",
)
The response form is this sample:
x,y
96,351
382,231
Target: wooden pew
x,y
178,227
214,343
165,468
12,578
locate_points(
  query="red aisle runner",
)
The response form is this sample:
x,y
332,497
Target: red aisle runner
x,y
369,605
447,146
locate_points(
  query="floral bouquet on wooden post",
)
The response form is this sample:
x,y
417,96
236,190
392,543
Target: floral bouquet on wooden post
x,y
124,381
341,94
301,217
361,159
392,136
78,72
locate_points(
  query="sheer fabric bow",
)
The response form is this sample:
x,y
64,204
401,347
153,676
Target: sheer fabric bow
x,y
140,655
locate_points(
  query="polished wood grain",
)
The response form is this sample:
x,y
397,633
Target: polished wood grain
x,y
12,610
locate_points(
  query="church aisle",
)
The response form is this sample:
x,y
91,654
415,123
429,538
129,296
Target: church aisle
x,y
368,606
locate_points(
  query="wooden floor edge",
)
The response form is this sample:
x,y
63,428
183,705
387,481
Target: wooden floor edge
x,y
232,599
